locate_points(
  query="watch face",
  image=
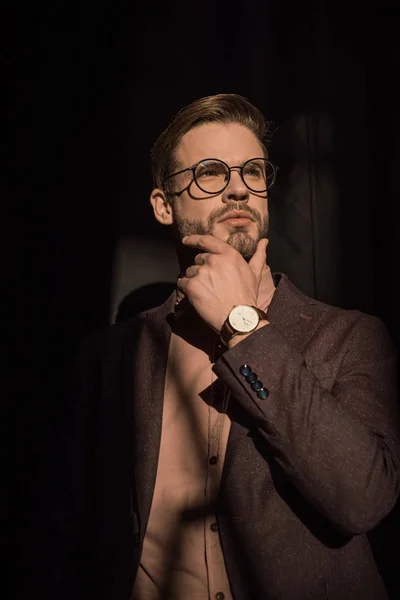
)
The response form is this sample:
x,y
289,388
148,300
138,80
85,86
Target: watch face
x,y
243,318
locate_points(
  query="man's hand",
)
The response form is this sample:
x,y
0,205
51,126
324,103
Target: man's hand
x,y
220,278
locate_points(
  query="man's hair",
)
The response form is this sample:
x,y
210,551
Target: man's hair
x,y
220,108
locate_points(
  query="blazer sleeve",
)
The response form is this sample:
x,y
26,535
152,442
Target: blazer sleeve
x,y
339,447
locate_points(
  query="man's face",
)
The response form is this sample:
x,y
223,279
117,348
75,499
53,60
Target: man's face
x,y
194,211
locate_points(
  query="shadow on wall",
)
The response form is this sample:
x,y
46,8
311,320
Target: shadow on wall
x,y
143,298
140,262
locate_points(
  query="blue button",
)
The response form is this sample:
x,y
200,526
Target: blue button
x,y
245,370
257,385
251,378
263,393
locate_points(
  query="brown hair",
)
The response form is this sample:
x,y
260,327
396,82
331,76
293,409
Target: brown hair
x,y
220,108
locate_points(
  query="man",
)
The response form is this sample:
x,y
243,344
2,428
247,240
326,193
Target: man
x,y
241,440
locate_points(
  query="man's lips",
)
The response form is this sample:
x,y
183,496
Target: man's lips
x,y
237,215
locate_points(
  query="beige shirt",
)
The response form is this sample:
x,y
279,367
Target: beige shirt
x,y
182,556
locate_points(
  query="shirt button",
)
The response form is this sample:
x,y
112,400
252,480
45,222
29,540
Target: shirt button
x,y
219,596
214,527
213,460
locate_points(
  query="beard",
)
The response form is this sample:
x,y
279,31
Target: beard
x,y
239,238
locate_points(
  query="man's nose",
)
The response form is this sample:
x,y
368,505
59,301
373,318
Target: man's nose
x,y
236,188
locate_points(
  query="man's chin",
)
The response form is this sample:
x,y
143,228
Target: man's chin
x,y
232,234
244,243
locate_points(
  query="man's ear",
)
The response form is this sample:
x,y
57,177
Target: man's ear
x,y
161,207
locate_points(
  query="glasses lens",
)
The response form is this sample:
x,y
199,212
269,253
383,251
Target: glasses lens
x,y
211,176
258,174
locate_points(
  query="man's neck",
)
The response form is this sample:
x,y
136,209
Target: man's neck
x,y
266,289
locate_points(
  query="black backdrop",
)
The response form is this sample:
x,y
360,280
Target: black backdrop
x,y
91,84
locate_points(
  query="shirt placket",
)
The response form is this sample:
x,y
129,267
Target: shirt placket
x,y
214,557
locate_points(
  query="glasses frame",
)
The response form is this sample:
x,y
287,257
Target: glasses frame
x,y
229,169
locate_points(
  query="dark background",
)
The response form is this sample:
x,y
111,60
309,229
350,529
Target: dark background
x,y
89,88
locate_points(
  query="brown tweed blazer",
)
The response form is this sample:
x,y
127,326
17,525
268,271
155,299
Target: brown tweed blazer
x,y
308,471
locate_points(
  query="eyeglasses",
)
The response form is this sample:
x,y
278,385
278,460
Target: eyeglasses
x,y
212,175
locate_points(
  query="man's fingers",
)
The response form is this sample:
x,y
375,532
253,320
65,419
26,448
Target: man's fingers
x,y
200,259
192,271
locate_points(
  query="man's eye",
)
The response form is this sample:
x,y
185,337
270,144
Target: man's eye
x,y
209,172
253,171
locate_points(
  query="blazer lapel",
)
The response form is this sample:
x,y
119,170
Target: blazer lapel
x,y
145,369
293,313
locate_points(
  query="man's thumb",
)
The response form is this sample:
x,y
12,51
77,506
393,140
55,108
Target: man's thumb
x,y
258,259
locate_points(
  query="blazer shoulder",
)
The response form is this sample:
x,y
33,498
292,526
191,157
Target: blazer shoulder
x,y
361,329
354,327
114,336
332,312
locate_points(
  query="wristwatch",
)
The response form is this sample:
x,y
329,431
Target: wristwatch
x,y
242,319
